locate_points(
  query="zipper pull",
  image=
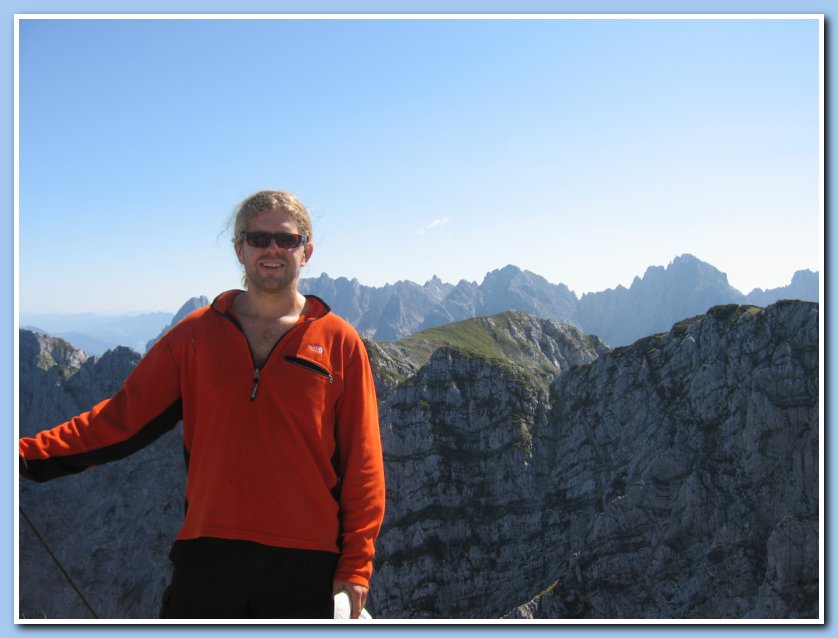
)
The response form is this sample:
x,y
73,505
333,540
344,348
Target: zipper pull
x,y
255,385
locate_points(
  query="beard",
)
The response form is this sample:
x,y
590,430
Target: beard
x,y
272,281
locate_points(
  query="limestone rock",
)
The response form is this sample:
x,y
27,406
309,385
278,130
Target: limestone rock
x,y
531,472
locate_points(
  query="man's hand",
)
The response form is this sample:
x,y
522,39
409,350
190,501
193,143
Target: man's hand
x,y
357,595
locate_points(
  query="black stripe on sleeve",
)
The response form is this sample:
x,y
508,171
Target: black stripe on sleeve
x,y
46,469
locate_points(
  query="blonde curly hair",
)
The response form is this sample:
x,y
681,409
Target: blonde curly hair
x,y
268,201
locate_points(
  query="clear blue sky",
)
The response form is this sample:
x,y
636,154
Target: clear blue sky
x,y
584,151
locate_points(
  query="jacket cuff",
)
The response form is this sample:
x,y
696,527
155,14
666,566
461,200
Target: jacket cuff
x,y
351,577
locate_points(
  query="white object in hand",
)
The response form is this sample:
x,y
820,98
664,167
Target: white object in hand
x,y
343,606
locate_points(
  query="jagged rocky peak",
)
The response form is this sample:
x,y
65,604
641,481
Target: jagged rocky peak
x,y
687,286
45,352
58,381
325,280
512,279
806,278
190,306
48,353
805,286
686,270
503,276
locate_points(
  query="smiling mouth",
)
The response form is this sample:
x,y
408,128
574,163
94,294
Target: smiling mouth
x,y
272,266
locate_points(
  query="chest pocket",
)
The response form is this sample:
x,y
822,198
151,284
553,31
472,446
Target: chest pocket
x,y
310,393
311,366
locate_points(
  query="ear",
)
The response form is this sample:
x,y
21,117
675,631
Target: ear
x,y
309,250
239,245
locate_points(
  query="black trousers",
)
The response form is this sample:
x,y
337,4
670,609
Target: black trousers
x,y
219,578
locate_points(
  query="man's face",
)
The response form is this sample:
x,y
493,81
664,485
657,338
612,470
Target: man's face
x,y
272,269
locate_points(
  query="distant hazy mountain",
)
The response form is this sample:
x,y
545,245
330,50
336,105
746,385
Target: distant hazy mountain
x,y
653,302
96,333
686,287
804,285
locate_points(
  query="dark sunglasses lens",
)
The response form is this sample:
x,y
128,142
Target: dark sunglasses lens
x,y
258,240
287,240
283,240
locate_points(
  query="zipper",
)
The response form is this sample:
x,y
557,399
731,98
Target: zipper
x,y
255,384
257,369
311,366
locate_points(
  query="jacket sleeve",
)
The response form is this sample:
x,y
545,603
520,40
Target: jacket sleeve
x,y
147,405
362,493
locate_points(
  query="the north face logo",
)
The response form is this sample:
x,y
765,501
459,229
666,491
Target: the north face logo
x,y
315,348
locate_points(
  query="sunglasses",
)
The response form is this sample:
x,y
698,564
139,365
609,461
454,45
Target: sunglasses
x,y
262,239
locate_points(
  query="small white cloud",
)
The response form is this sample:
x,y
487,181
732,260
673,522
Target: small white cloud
x,y
436,224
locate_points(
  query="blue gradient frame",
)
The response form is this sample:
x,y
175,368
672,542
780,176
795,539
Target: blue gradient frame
x,y
365,6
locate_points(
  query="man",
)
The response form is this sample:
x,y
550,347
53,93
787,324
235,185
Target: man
x,y
285,480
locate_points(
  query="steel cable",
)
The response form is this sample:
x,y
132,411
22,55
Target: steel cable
x,y
57,562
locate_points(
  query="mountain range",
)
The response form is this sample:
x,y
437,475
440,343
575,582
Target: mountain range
x,y
652,303
532,470
686,287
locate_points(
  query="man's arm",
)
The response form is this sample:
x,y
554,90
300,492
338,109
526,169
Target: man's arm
x,y
362,472
147,406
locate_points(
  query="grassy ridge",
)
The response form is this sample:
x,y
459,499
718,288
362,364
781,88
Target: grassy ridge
x,y
507,338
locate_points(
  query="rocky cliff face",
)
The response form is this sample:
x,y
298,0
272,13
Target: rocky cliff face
x,y
680,465
109,528
531,473
459,436
676,478
57,379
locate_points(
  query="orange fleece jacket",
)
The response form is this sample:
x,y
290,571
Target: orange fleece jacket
x,y
288,455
